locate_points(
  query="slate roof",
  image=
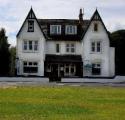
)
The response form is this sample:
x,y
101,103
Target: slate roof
x,y
81,27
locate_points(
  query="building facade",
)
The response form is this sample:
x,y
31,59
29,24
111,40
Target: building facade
x,y
64,47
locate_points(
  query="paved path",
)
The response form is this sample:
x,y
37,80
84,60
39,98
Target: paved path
x,y
118,81
13,84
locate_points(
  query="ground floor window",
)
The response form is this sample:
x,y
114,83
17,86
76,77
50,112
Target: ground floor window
x,y
30,67
96,69
69,70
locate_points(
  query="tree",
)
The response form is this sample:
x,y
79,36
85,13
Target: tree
x,y
4,54
12,60
118,41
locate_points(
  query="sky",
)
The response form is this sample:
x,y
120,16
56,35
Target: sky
x,y
14,12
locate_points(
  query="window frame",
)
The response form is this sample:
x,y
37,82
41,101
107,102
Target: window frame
x,y
57,29
96,27
57,48
29,65
32,45
70,47
69,67
30,26
97,68
71,29
95,48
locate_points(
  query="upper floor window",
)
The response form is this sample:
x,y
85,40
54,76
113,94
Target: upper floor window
x,y
70,48
30,45
71,29
55,29
95,27
96,46
57,48
30,26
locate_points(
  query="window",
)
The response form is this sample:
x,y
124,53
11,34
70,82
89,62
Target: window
x,y
96,69
25,45
30,67
96,46
95,27
71,29
30,45
30,26
57,48
70,48
70,70
55,29
35,45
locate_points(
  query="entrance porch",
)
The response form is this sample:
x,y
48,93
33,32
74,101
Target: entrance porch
x,y
63,66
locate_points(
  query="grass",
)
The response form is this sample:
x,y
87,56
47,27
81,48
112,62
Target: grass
x,y
62,103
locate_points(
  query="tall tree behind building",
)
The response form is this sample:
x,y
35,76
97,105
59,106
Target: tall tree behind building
x,y
12,61
118,41
4,54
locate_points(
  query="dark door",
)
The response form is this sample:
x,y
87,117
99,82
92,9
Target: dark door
x,y
55,70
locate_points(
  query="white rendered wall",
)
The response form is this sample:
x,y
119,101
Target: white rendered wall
x,y
51,47
30,56
102,36
112,61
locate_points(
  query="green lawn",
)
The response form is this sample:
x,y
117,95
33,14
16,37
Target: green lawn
x,y
62,103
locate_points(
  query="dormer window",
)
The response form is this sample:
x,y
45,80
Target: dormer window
x,y
71,29
30,26
95,27
55,29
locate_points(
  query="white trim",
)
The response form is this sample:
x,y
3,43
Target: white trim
x,y
69,66
58,29
96,66
95,46
70,47
27,46
71,29
27,62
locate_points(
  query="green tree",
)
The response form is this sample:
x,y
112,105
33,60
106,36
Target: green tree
x,y
12,60
4,54
118,41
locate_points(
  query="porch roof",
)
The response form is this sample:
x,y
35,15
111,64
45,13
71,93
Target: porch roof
x,y
63,58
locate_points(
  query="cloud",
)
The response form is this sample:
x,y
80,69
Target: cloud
x,y
13,12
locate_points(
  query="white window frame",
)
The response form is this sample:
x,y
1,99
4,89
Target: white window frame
x,y
56,30
96,66
33,45
69,66
94,46
70,47
71,30
28,65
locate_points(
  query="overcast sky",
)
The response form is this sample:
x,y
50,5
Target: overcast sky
x,y
14,12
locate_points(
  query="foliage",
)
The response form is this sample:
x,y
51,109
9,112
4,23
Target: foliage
x,y
4,54
118,41
12,60
62,103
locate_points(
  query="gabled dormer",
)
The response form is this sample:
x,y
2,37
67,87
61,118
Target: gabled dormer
x,y
31,24
30,18
96,25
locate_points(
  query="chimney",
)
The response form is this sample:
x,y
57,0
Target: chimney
x,y
81,15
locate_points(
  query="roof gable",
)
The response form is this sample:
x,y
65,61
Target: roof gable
x,y
96,17
31,15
